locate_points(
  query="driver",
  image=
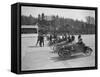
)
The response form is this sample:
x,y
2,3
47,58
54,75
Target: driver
x,y
80,41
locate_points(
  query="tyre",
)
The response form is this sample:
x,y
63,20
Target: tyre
x,y
88,52
64,54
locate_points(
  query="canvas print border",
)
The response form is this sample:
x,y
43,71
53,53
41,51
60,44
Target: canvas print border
x,y
18,35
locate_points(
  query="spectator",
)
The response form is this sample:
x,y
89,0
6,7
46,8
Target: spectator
x,y
69,38
41,40
50,38
73,38
38,39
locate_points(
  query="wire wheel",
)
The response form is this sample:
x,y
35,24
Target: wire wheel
x,y
88,52
64,54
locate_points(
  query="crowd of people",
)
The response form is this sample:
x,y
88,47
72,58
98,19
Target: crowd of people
x,y
67,38
62,38
56,39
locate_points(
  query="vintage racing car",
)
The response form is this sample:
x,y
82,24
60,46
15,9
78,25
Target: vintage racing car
x,y
66,51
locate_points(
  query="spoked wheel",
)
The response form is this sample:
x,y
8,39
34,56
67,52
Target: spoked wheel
x,y
64,54
88,52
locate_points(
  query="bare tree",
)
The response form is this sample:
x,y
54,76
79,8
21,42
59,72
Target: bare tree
x,y
90,20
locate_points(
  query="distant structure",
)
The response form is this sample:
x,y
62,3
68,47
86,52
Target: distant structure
x,y
29,30
47,18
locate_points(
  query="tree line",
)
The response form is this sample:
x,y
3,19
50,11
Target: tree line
x,y
60,25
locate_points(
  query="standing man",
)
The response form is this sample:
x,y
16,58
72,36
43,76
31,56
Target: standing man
x,y
50,38
41,40
38,40
55,37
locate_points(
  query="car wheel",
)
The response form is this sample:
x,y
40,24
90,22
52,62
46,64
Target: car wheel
x,y
88,52
64,54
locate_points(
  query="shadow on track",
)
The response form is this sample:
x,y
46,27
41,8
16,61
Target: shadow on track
x,y
56,59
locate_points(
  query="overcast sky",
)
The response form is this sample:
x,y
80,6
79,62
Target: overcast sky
x,y
66,13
